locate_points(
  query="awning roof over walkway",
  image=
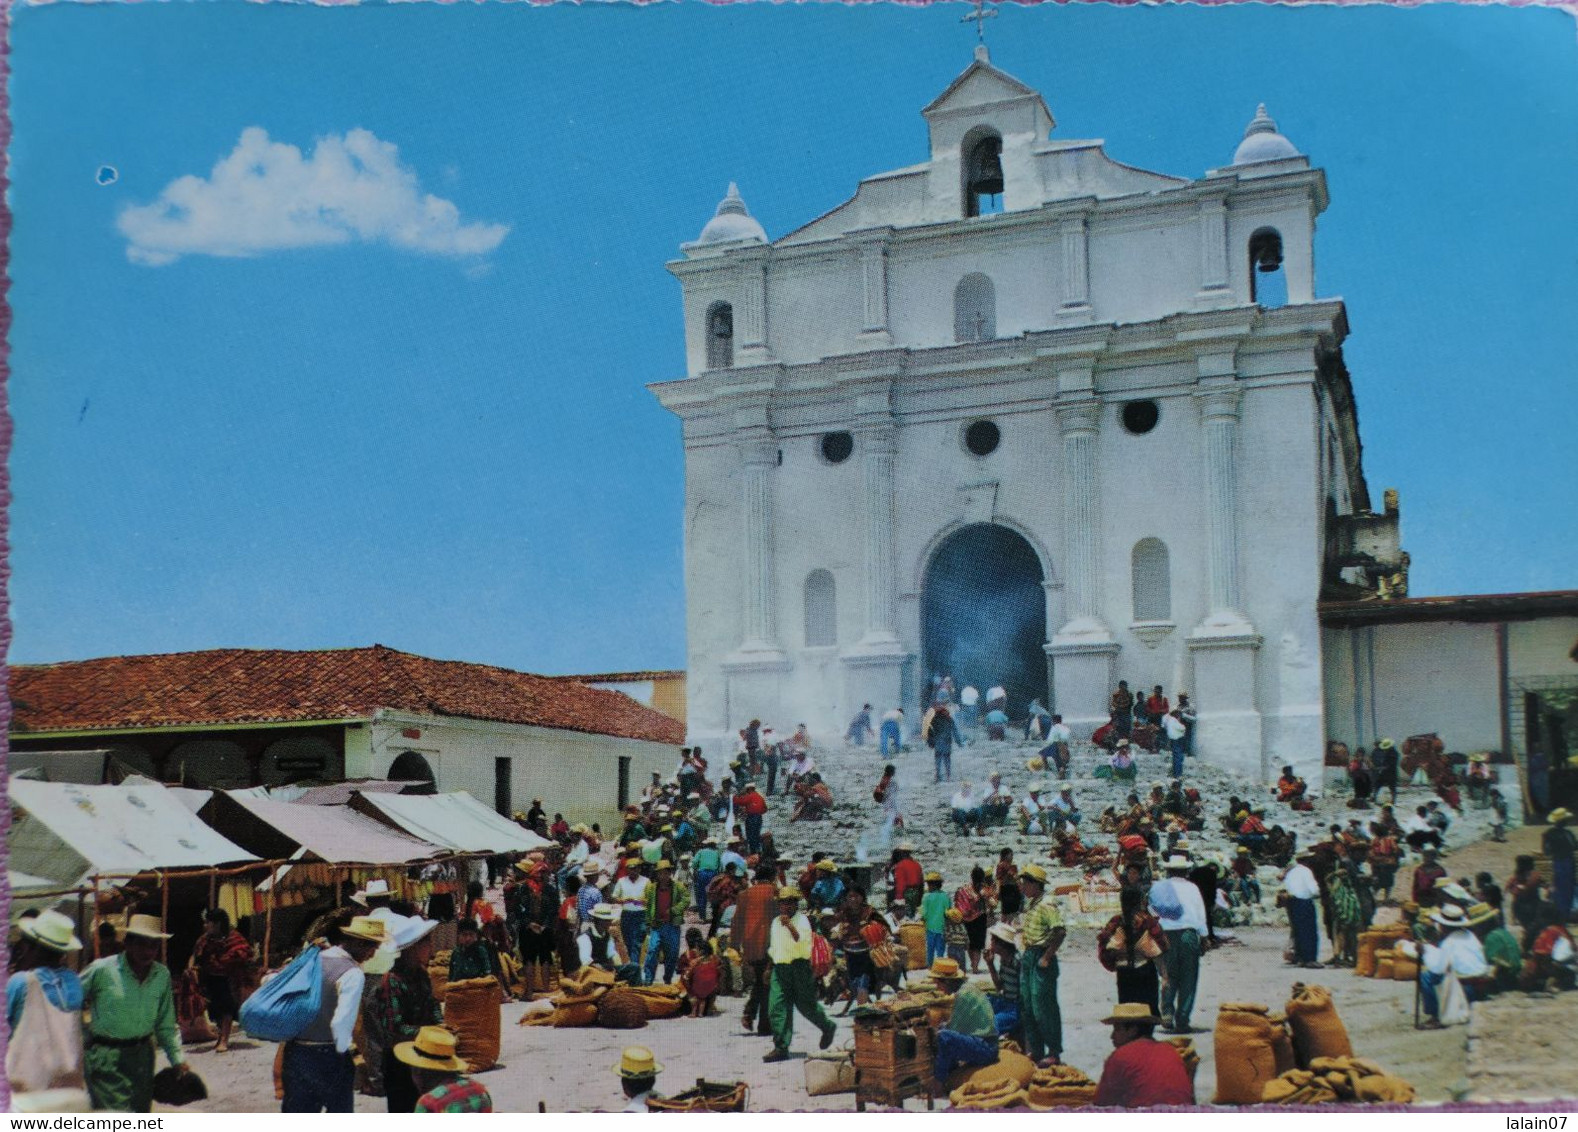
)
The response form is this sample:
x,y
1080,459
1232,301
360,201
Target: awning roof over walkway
x,y
334,834
64,832
457,821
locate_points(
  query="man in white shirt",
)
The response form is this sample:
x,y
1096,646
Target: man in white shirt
x,y
1300,891
1176,902
1177,739
1459,954
630,894
996,697
892,732
997,801
969,704
1056,752
317,1072
1032,811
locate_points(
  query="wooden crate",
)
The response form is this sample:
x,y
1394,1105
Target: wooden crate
x,y
894,1059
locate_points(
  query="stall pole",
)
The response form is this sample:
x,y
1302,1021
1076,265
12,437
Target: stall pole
x,y
268,916
97,912
164,917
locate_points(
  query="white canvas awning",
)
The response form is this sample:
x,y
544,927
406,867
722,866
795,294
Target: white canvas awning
x,y
457,821
64,832
335,834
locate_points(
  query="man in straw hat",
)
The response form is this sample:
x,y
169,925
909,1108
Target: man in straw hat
x,y
666,904
600,945
1559,844
48,1053
1383,769
1042,932
440,1076
1141,1071
1177,903
1459,953
132,1008
970,1037
793,986
637,1071
401,1004
375,895
317,1073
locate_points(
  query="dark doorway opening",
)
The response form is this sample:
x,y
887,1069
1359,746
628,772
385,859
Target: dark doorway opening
x,y
409,766
983,615
501,786
624,781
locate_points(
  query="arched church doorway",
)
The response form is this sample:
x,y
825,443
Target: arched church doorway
x,y
983,614
412,767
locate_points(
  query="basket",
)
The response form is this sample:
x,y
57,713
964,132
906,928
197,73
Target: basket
x,y
707,1096
622,1009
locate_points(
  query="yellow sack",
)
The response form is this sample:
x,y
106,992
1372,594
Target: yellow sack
x,y
1281,1044
471,1010
1245,1059
1317,1031
1383,1090
997,1093
913,937
1405,969
1015,1067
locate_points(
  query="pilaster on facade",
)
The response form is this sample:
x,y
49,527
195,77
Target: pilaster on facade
x,y
874,330
750,326
759,458
1079,422
1215,281
1220,402
1074,246
879,446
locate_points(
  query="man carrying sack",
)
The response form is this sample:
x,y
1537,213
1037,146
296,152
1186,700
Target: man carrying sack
x,y
133,1007
44,1008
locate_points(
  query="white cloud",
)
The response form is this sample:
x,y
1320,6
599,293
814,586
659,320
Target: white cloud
x,y
265,196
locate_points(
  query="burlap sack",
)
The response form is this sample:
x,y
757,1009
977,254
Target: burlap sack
x,y
1405,969
1008,1066
913,938
662,1001
471,1010
1000,1092
1281,1044
1245,1059
1317,1031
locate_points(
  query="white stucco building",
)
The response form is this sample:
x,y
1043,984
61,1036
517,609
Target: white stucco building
x,y
1020,413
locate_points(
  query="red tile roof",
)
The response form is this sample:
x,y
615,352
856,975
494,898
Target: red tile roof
x,y
641,677
282,686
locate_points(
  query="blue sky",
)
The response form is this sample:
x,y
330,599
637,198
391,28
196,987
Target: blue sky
x,y
426,425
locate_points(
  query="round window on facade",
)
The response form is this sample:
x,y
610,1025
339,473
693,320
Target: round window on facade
x,y
837,446
982,438
1139,417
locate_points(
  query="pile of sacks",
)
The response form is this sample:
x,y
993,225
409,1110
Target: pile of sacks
x,y
1378,953
471,1010
1303,1056
1334,1080
1060,1086
591,998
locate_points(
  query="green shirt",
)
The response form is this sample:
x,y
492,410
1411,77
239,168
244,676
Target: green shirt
x,y
473,961
124,1008
1501,951
707,860
1040,919
934,910
972,1014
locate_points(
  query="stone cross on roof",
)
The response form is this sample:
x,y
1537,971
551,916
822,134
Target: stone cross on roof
x,y
979,18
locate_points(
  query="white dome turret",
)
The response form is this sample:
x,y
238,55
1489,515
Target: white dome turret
x,y
732,221
1262,142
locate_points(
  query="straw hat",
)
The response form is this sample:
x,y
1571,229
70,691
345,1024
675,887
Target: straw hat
x,y
787,892
1450,916
1035,764
365,927
944,968
375,887
1384,745
632,862
148,927
1481,914
1559,814
826,866
1033,872
905,847
1176,864
580,827
604,912
434,1048
408,931
637,1061
1137,1012
1479,757
51,930
665,864
592,868
1005,933
954,916
934,877
1244,849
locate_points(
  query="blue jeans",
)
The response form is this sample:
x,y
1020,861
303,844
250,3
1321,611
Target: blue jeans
x,y
703,879
890,737
945,767
936,948
961,1049
664,937
753,832
633,926
1180,752
317,1079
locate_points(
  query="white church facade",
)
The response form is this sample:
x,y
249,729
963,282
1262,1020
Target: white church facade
x,y
1026,415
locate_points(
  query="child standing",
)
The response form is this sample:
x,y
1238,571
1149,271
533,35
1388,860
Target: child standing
x,y
699,973
934,911
955,937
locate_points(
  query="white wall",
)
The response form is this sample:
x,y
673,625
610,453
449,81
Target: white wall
x,y
572,772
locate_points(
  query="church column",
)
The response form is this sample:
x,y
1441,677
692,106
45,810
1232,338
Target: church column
x,y
751,319
1075,245
1215,286
881,606
761,457
1083,650
874,293
1223,646
1219,408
